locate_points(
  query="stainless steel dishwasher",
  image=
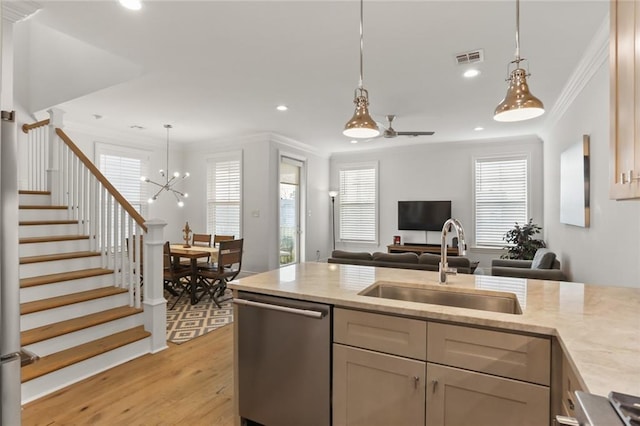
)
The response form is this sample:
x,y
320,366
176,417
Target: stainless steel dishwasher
x,y
284,361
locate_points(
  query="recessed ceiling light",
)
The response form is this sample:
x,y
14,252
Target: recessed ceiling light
x,y
131,4
354,141
282,107
477,129
471,73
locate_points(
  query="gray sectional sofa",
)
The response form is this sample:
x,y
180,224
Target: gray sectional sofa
x,y
426,261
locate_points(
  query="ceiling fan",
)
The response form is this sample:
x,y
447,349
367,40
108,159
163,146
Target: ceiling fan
x,y
390,132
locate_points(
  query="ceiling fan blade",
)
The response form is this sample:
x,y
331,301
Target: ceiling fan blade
x,y
415,133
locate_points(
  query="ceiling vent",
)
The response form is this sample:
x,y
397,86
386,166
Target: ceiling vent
x,y
471,57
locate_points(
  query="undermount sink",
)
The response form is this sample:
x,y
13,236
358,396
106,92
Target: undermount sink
x,y
499,302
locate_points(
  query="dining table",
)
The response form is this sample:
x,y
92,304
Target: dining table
x,y
193,253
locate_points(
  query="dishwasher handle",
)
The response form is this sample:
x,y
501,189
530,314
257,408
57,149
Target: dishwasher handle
x,y
304,312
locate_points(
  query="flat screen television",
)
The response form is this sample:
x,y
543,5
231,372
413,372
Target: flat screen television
x,y
423,215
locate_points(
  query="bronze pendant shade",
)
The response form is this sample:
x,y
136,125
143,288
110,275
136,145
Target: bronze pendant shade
x,y
361,124
519,104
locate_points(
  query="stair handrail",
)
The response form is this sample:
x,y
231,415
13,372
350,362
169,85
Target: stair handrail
x,y
26,127
102,179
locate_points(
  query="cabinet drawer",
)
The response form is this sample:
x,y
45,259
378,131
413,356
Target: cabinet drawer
x,y
384,333
493,352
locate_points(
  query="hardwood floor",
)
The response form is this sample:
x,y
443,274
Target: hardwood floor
x,y
188,384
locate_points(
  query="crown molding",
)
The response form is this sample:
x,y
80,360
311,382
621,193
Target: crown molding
x,y
292,143
596,54
16,11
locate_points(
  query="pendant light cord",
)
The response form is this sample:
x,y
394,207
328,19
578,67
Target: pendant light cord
x,y
167,126
517,32
361,42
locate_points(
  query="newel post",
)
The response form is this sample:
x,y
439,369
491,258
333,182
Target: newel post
x,y
53,161
154,303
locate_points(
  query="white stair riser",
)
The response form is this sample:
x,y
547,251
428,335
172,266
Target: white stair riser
x,y
44,214
57,266
51,382
38,319
25,231
69,340
34,200
52,247
46,291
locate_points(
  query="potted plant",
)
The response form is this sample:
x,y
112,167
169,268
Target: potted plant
x,y
522,245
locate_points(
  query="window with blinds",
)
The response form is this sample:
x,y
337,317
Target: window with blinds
x,y
358,204
124,174
223,196
501,197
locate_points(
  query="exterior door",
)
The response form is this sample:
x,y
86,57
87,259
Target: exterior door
x,y
291,202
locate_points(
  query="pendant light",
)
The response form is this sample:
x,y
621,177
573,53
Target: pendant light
x,y
361,125
169,183
519,104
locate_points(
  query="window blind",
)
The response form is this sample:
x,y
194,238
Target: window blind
x,y
223,197
124,174
358,204
501,194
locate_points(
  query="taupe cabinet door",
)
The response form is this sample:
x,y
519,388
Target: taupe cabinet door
x,y
371,388
457,397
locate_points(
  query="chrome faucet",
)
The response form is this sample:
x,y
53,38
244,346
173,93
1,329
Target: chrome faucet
x,y
443,267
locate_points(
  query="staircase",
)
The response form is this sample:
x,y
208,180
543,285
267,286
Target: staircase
x,y
73,316
71,313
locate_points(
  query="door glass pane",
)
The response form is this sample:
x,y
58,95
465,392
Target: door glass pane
x,y
289,212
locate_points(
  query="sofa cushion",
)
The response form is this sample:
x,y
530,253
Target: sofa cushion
x,y
543,259
341,254
395,257
429,259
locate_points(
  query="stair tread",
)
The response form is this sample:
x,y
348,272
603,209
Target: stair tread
x,y
40,207
69,299
29,192
49,331
51,238
82,352
57,256
47,222
63,276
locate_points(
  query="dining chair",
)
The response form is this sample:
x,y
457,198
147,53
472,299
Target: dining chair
x,y
202,240
218,238
214,281
176,276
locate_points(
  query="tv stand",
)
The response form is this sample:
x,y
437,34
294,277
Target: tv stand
x,y
420,248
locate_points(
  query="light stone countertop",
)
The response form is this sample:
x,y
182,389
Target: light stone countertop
x,y
597,326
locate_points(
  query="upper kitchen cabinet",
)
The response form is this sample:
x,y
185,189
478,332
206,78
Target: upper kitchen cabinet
x,y
625,99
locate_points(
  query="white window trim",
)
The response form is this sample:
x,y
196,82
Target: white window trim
x,y
508,156
227,156
358,166
283,155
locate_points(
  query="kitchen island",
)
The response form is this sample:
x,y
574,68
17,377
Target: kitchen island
x,y
596,327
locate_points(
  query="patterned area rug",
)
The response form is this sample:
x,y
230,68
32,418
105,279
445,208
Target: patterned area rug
x,y
186,321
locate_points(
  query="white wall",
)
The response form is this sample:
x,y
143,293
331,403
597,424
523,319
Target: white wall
x,y
608,252
441,171
260,196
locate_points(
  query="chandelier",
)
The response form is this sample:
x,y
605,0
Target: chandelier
x,y
169,183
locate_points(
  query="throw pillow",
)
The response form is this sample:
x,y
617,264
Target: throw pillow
x,y
543,259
